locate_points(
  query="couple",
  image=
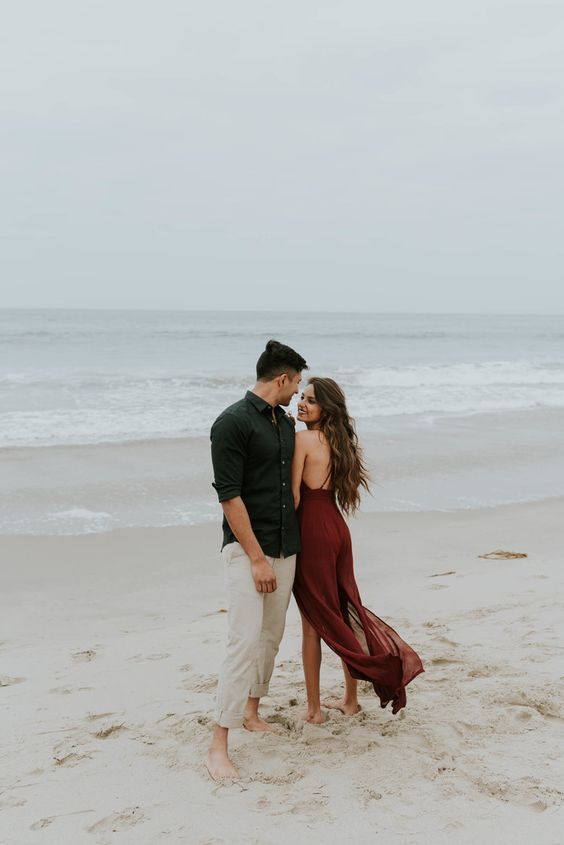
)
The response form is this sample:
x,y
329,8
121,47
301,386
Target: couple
x,y
282,496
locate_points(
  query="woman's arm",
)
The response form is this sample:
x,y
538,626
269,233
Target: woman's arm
x,y
298,463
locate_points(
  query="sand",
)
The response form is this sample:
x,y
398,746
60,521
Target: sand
x,y
109,650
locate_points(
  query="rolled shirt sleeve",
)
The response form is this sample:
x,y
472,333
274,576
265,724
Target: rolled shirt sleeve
x,y
228,450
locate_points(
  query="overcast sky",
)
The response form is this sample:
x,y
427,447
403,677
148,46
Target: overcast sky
x,y
380,156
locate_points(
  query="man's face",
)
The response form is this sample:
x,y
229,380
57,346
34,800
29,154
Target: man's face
x,y
288,385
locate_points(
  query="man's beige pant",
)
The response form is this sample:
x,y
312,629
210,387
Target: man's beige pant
x,y
255,627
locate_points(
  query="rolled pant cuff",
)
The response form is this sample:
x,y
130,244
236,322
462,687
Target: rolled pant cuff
x,y
258,690
225,719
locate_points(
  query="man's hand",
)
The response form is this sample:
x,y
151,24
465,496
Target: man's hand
x,y
263,576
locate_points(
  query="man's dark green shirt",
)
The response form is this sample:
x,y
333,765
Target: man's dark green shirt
x,y
252,458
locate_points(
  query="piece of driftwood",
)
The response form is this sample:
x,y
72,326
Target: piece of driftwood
x,y
499,554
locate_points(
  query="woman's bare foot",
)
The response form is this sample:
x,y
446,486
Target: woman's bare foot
x,y
346,707
255,723
314,717
220,766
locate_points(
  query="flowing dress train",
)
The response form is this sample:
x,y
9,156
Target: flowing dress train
x,y
327,595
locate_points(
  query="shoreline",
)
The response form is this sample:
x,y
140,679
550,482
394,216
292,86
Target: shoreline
x,y
214,522
448,465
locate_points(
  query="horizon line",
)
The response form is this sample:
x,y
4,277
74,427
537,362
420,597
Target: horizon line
x,y
208,310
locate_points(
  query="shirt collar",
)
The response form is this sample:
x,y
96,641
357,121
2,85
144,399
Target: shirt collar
x,y
261,405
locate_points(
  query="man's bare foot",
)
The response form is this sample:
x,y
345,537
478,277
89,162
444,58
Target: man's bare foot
x,y
344,706
220,766
314,718
255,723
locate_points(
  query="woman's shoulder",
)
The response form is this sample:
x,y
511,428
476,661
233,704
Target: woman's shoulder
x,y
310,438
308,435
302,440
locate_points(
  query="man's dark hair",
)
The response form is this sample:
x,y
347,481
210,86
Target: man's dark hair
x,y
277,359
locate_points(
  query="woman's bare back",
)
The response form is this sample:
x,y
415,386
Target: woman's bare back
x,y
317,466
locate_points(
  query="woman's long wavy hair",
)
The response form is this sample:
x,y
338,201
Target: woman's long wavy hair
x,y
348,471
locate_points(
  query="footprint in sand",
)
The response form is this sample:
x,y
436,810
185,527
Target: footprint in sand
x,y
522,791
41,823
523,716
547,704
184,728
72,751
292,725
47,820
93,717
441,638
84,656
121,820
71,759
6,681
316,734
442,661
447,656
199,683
486,671
313,809
367,795
111,730
9,801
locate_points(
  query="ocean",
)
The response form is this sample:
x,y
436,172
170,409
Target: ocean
x,y
87,377
95,379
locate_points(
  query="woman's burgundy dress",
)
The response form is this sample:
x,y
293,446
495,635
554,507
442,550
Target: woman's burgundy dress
x,y
326,592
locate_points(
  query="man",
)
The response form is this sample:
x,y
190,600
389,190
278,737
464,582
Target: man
x,y
252,445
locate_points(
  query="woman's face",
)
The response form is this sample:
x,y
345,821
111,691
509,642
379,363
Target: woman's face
x,y
309,409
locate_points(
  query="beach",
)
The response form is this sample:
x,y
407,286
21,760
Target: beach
x,y
110,648
113,603
355,212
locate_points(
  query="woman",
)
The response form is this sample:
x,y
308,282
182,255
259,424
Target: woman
x,y
327,474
